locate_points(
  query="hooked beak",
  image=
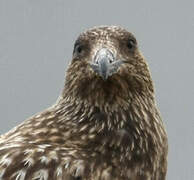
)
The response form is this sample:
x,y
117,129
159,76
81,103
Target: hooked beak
x,y
105,63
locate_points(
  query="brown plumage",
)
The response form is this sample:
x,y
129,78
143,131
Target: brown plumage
x,y
104,126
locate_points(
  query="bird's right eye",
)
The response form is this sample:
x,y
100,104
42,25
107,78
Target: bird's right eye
x,y
78,49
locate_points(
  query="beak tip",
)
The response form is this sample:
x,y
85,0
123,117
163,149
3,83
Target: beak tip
x,y
104,78
105,64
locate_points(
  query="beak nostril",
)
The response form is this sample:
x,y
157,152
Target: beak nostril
x,y
110,60
105,63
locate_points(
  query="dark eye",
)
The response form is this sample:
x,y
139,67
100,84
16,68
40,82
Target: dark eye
x,y
78,49
131,44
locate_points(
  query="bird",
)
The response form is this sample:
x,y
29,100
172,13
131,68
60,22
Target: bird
x,y
105,125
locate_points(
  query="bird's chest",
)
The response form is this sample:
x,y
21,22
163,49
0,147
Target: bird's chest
x,y
112,155
110,145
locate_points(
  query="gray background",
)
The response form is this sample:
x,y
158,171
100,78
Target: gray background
x,y
36,41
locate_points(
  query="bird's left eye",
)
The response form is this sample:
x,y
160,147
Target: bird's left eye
x,y
131,44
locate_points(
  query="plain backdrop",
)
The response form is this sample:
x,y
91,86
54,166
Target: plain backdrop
x,y
36,42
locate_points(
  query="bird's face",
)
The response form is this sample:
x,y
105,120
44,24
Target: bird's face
x,y
106,60
105,50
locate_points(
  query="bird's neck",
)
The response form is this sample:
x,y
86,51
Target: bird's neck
x,y
135,121
113,114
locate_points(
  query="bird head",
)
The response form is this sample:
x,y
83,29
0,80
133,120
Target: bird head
x,y
107,62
